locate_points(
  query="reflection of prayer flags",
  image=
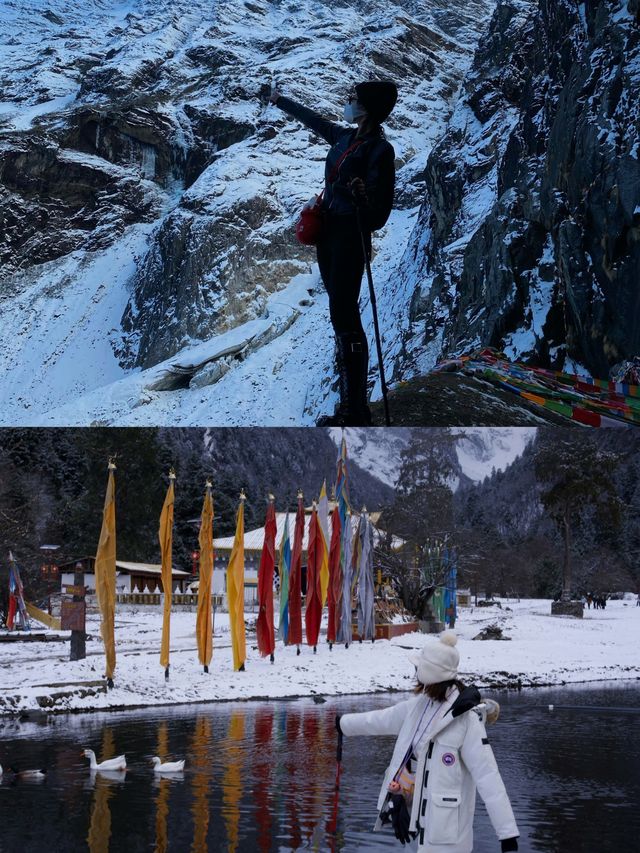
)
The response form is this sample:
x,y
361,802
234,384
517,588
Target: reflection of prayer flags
x,y
323,519
235,592
232,778
105,573
165,534
366,617
201,764
313,612
100,822
262,776
264,626
284,567
162,800
295,578
204,624
335,577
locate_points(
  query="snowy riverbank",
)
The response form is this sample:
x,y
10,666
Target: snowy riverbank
x,y
542,650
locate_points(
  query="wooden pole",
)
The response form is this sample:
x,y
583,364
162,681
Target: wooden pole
x,y
79,637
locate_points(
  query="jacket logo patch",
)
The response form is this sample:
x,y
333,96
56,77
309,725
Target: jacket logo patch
x,y
448,759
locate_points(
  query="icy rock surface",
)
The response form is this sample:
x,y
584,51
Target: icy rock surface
x,y
529,238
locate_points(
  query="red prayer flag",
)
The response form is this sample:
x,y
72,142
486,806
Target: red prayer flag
x,y
334,595
313,612
264,627
295,579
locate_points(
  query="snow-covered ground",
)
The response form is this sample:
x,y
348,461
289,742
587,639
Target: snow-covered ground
x,y
541,650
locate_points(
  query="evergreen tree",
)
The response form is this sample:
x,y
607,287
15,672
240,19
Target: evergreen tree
x,y
576,473
424,492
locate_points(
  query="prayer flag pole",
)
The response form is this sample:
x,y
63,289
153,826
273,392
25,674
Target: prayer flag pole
x,y
165,535
105,573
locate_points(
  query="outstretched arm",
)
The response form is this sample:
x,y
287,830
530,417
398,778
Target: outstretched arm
x,y
388,721
481,763
328,130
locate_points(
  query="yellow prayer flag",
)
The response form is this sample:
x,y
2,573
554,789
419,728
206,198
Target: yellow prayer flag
x,y
235,591
105,573
165,534
323,518
204,627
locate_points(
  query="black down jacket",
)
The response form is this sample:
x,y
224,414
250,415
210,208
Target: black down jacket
x,y
373,161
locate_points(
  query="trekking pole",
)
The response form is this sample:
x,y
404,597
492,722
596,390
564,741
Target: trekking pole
x,y
374,311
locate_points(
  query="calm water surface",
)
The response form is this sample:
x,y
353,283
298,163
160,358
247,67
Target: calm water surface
x,y
261,776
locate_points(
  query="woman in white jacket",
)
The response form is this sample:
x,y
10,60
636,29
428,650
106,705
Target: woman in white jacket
x,y
441,756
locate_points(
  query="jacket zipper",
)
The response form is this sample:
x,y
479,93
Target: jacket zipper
x,y
424,788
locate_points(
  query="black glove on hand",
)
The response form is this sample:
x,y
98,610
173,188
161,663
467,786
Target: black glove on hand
x,y
509,844
338,728
400,818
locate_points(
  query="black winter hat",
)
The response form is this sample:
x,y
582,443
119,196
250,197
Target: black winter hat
x,y
378,97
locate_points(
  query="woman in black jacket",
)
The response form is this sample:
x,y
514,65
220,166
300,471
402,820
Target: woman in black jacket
x,y
359,176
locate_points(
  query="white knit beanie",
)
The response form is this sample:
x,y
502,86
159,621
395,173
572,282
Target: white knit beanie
x,y
436,662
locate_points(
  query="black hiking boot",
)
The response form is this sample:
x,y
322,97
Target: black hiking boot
x,y
352,358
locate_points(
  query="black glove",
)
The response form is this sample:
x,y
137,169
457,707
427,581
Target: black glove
x,y
338,727
509,844
359,192
400,817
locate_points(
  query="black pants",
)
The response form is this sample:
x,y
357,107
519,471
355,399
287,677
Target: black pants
x,y
341,262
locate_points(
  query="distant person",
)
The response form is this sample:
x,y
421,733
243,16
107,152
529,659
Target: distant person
x,y
638,600
441,756
359,186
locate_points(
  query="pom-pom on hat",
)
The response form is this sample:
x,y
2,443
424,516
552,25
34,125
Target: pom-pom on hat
x,y
436,662
378,97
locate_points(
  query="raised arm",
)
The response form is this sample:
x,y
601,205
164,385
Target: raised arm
x,y
328,130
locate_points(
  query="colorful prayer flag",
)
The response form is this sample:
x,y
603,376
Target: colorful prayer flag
x,y
295,578
105,573
313,611
335,577
165,534
284,567
235,592
366,615
264,626
204,622
323,542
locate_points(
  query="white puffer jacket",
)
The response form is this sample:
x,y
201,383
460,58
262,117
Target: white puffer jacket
x,y
453,761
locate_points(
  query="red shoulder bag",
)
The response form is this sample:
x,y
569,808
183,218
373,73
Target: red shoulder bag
x,y
311,221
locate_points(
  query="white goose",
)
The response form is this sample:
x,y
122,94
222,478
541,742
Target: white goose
x,y
168,766
118,763
28,774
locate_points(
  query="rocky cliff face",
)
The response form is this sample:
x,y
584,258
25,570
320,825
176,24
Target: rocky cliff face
x,y
529,238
